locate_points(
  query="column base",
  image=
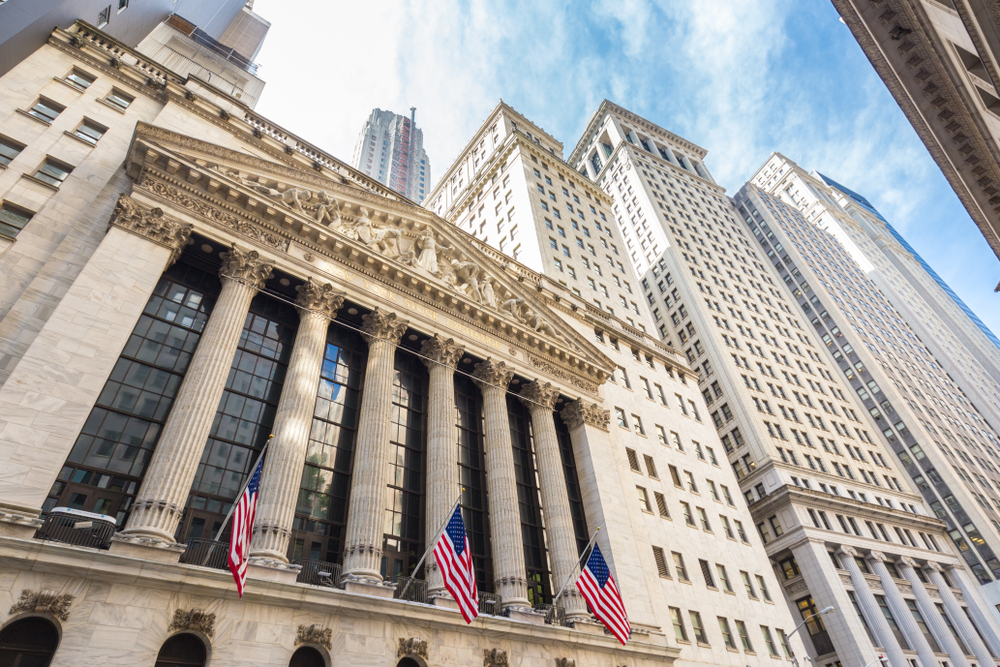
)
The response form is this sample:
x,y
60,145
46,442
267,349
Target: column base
x,y
271,570
526,615
20,526
373,587
147,549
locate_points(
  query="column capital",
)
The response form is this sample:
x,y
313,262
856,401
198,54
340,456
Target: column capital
x,y
245,266
576,414
878,556
848,551
493,373
380,325
934,567
908,562
319,298
542,394
442,351
150,223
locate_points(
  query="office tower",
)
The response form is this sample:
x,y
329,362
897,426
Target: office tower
x,y
684,550
837,518
25,25
936,402
390,149
939,60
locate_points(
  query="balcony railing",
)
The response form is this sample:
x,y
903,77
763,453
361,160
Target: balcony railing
x,y
206,553
410,588
554,615
84,529
490,603
319,573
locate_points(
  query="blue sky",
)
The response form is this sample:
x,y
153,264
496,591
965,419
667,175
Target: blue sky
x,y
741,78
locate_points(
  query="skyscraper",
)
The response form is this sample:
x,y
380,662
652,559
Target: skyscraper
x,y
390,149
837,517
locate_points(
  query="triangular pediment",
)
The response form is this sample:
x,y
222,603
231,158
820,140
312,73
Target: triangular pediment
x,y
405,246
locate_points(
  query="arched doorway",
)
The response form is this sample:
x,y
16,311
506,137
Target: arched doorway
x,y
408,662
183,650
29,641
307,657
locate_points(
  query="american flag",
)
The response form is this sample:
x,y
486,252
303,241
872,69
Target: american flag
x,y
454,558
243,515
599,589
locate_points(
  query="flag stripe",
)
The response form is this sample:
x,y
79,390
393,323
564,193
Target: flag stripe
x,y
604,598
242,531
454,559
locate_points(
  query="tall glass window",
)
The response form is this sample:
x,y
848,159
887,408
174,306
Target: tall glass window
x,y
245,415
572,486
472,473
106,465
535,557
403,539
321,513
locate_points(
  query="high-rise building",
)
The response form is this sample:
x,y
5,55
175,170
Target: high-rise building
x,y
390,149
936,400
939,59
837,517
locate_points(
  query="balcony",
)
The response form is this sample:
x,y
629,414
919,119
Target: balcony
x,y
206,553
83,529
319,573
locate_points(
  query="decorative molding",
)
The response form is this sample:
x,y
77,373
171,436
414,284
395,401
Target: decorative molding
x,y
43,602
494,657
245,266
412,646
198,620
565,662
540,394
380,325
150,223
934,567
575,380
576,414
443,351
319,298
314,634
797,587
906,561
493,373
878,556
848,551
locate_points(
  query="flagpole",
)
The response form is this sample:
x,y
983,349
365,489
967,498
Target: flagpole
x,y
570,577
430,545
245,485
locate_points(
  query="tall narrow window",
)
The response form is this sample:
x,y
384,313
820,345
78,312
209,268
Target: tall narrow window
x,y
13,219
46,110
536,560
53,172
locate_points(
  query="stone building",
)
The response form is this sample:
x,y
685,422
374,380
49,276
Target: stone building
x,y
838,519
390,149
183,279
939,60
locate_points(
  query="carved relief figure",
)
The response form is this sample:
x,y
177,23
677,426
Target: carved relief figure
x,y
487,292
467,274
328,210
535,321
255,186
293,198
383,240
513,306
429,247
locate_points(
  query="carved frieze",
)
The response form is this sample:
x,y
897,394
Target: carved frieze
x,y
542,394
565,662
151,224
440,350
572,378
314,634
380,325
493,373
319,298
43,602
577,413
198,620
494,657
245,266
412,646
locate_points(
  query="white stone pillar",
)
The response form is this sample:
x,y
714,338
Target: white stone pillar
x,y
560,536
976,610
869,606
902,613
366,511
930,613
286,453
170,474
509,570
443,484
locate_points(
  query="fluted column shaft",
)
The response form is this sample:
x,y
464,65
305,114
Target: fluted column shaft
x,y
903,615
366,511
560,536
443,484
931,616
509,570
167,483
978,644
282,473
869,605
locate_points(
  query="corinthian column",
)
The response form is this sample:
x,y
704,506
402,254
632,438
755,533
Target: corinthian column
x,y
869,605
510,577
165,487
902,614
363,542
963,623
282,474
930,613
440,357
560,537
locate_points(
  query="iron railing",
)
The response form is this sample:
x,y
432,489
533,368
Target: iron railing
x,y
410,588
84,529
206,553
490,603
554,614
319,573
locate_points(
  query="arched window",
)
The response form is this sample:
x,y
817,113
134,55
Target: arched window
x,y
307,657
408,662
30,641
183,650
